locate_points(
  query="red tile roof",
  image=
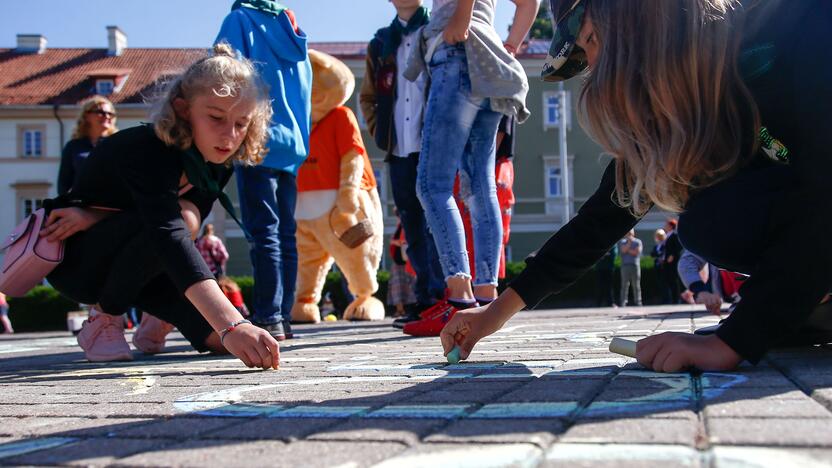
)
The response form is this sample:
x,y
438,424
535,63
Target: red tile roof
x,y
67,76
62,76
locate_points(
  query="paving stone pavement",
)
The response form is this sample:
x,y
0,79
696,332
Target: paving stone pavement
x,y
544,391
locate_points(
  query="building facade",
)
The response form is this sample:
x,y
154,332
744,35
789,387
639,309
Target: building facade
x,y
41,88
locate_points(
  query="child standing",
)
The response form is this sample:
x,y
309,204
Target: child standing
x,y
213,251
266,32
474,79
163,179
393,107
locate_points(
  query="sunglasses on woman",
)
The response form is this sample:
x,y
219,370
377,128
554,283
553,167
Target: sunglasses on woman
x,y
103,113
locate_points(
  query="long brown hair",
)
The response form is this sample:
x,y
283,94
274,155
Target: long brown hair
x,y
666,98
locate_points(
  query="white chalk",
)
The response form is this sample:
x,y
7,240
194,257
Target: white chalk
x,y
623,347
453,355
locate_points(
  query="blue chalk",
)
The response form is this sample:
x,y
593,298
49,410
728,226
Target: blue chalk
x,y
453,356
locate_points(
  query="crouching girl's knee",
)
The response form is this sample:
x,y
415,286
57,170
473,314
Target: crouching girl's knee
x,y
190,214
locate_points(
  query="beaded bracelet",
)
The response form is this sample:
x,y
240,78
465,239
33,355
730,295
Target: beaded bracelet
x,y
230,328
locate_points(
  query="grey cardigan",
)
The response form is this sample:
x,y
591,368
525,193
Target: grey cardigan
x,y
495,74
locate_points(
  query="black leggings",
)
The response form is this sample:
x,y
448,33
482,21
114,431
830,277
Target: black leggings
x,y
113,264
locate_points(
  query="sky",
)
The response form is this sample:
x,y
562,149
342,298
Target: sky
x,y
188,23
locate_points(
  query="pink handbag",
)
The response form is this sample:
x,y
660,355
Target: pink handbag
x,y
29,257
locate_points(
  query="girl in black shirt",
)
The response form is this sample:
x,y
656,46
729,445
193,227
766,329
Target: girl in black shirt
x,y
719,110
130,221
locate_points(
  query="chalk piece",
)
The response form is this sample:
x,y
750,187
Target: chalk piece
x,y
624,347
330,318
453,356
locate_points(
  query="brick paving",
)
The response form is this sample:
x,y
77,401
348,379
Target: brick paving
x,y
544,391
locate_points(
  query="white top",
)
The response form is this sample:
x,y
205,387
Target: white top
x,y
410,102
314,203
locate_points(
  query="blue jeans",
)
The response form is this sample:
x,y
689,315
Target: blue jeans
x,y
421,250
459,135
267,202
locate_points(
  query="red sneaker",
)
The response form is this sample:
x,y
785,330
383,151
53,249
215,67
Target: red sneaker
x,y
433,323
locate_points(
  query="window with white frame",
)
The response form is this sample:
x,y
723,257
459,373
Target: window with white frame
x,y
104,87
30,205
553,183
31,140
29,196
551,110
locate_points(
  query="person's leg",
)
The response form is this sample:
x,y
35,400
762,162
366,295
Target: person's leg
x,y
477,176
421,249
637,285
257,187
162,300
625,284
4,318
286,196
449,116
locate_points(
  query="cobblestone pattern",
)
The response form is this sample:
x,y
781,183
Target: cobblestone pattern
x,y
544,391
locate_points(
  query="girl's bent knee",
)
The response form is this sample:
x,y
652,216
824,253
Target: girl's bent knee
x,y
190,214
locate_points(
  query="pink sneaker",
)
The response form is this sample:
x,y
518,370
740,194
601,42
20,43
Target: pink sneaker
x,y
150,337
102,338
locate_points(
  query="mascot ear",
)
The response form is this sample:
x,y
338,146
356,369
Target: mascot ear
x,y
332,83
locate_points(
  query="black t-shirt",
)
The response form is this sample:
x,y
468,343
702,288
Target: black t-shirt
x,y
73,157
133,170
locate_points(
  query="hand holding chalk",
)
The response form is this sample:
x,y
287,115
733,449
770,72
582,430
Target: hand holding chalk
x,y
620,346
453,356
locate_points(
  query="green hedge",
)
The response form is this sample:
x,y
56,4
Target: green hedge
x,y
41,309
44,309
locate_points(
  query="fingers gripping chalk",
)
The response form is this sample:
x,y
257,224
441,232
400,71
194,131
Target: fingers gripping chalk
x,y
620,346
453,356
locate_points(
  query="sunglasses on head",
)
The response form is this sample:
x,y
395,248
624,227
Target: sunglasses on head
x,y
565,59
102,113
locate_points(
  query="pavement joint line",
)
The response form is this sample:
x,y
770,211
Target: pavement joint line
x,y
797,383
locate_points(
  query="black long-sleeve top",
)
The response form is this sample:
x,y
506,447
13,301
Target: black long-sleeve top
x,y
792,272
73,157
133,170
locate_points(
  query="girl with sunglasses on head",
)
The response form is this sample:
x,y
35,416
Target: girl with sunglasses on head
x,y
717,110
96,120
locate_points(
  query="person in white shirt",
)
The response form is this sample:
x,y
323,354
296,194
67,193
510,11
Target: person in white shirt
x,y
392,107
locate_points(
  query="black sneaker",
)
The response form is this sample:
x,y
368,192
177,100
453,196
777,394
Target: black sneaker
x,y
287,330
413,313
276,330
402,321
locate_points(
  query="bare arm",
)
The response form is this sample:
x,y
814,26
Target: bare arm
x,y
524,16
253,345
457,29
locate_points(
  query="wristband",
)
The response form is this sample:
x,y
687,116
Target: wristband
x,y
230,328
510,48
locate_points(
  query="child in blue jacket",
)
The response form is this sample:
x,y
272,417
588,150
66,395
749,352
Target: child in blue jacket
x,y
265,32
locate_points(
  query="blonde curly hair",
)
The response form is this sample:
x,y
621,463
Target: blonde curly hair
x,y
225,75
82,127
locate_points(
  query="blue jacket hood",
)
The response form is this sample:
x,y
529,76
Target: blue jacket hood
x,y
280,55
